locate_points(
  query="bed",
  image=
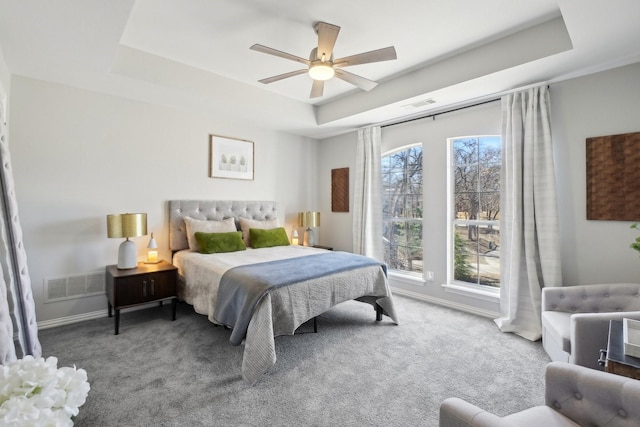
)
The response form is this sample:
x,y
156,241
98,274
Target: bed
x,y
280,310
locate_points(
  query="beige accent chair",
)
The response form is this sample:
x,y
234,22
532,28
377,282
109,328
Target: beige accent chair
x,y
575,319
574,396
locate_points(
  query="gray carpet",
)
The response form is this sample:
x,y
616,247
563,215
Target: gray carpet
x,y
353,372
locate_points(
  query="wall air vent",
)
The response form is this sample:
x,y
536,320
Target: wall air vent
x,y
74,286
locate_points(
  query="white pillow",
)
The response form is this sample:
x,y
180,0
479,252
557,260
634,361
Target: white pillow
x,y
194,225
246,224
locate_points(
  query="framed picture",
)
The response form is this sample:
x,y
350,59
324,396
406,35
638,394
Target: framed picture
x,y
230,157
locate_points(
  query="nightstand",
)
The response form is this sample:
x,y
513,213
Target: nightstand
x,y
329,248
142,285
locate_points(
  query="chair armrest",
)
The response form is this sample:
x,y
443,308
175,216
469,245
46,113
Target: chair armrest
x,y
590,333
456,412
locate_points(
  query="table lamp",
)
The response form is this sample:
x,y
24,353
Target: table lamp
x,y
152,252
127,225
309,220
295,239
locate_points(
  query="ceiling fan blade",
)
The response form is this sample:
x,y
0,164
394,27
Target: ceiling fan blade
x,y
278,53
282,76
354,79
327,35
317,89
384,54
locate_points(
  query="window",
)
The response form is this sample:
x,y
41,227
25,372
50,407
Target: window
x,y
402,209
474,210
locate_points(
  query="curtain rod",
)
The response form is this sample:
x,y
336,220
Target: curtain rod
x,y
426,116
492,98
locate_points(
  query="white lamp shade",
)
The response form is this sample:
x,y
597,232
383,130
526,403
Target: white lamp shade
x,y
152,243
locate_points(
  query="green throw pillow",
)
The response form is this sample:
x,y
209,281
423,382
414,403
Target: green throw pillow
x,y
261,238
211,243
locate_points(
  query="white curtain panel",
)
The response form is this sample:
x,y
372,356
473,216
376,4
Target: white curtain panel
x,y
15,279
367,200
530,252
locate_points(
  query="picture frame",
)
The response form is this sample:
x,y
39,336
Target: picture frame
x,y
340,190
231,158
612,176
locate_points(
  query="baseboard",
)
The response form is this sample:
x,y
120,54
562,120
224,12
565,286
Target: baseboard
x,y
446,303
68,320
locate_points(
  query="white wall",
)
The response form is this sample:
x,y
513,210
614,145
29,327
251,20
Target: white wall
x,y
336,227
606,103
79,155
592,251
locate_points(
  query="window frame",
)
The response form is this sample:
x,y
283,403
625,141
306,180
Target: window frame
x,y
409,275
453,285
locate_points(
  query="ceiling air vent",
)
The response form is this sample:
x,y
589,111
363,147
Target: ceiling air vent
x,y
420,103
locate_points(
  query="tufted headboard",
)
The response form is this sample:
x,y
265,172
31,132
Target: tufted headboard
x,y
215,210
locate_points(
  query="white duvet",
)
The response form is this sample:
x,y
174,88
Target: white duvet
x,y
282,310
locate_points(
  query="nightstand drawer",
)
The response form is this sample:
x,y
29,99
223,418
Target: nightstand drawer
x,y
144,288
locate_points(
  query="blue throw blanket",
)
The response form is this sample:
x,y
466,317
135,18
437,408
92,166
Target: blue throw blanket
x,y
241,288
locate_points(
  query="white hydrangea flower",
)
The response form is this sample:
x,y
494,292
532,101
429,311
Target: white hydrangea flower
x,y
34,392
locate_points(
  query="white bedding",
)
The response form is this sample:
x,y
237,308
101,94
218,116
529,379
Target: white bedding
x,y
284,309
201,273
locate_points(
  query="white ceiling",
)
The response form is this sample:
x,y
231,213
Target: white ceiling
x,y
194,54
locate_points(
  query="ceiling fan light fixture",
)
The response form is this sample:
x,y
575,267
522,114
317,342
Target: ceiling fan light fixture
x,y
320,64
319,70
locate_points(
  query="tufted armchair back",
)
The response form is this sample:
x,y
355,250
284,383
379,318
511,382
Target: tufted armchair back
x,y
575,319
613,297
574,396
592,398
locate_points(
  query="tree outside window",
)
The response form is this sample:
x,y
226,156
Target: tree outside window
x,y
475,209
402,209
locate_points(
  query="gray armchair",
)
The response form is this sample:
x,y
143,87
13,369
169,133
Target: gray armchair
x,y
574,396
575,319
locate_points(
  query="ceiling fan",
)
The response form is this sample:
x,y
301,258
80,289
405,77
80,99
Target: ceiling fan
x,y
322,66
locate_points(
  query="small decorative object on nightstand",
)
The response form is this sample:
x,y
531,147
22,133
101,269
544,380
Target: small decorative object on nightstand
x,y
152,251
143,285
